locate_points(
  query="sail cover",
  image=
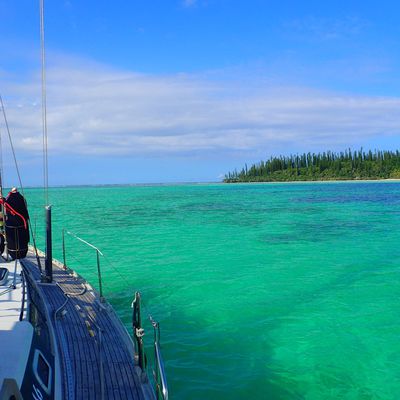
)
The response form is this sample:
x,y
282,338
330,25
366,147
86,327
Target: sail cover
x,y
17,231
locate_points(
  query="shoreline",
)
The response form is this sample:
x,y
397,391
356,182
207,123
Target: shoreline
x,y
319,181
111,185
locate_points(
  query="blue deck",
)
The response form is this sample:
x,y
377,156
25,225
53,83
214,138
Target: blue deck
x,y
89,335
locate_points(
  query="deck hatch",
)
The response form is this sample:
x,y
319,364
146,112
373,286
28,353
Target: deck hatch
x,y
42,371
3,275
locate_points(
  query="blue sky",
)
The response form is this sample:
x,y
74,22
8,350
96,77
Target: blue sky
x,y
187,90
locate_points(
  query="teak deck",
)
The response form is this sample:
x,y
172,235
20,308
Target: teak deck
x,y
89,338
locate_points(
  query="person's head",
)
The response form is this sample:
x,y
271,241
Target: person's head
x,y
14,190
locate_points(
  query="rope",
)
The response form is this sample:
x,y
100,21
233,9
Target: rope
x,y
44,107
13,212
82,292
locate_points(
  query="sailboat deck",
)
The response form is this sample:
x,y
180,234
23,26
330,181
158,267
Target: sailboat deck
x,y
97,356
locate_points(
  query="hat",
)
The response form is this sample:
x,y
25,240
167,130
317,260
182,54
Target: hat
x,y
14,190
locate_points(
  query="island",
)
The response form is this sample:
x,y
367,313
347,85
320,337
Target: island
x,y
326,166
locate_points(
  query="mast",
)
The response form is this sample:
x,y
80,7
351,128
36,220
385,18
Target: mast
x,y
49,258
44,106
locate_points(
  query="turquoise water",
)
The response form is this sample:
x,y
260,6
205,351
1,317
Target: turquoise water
x,y
267,291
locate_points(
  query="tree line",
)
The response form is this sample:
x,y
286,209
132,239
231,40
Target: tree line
x,y
347,165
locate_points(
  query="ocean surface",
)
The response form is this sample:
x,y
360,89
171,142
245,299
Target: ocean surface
x,y
262,291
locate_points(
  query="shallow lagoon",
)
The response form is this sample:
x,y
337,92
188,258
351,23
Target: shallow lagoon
x,y
275,291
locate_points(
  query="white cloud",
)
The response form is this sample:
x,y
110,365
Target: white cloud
x,y
97,111
317,28
189,3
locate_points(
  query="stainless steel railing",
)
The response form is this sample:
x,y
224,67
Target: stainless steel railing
x,y
98,254
159,375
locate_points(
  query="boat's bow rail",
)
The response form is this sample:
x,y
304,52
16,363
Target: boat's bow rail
x,y
159,375
158,369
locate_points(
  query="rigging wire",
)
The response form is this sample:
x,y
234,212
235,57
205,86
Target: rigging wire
x,y
11,144
44,107
128,287
19,177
